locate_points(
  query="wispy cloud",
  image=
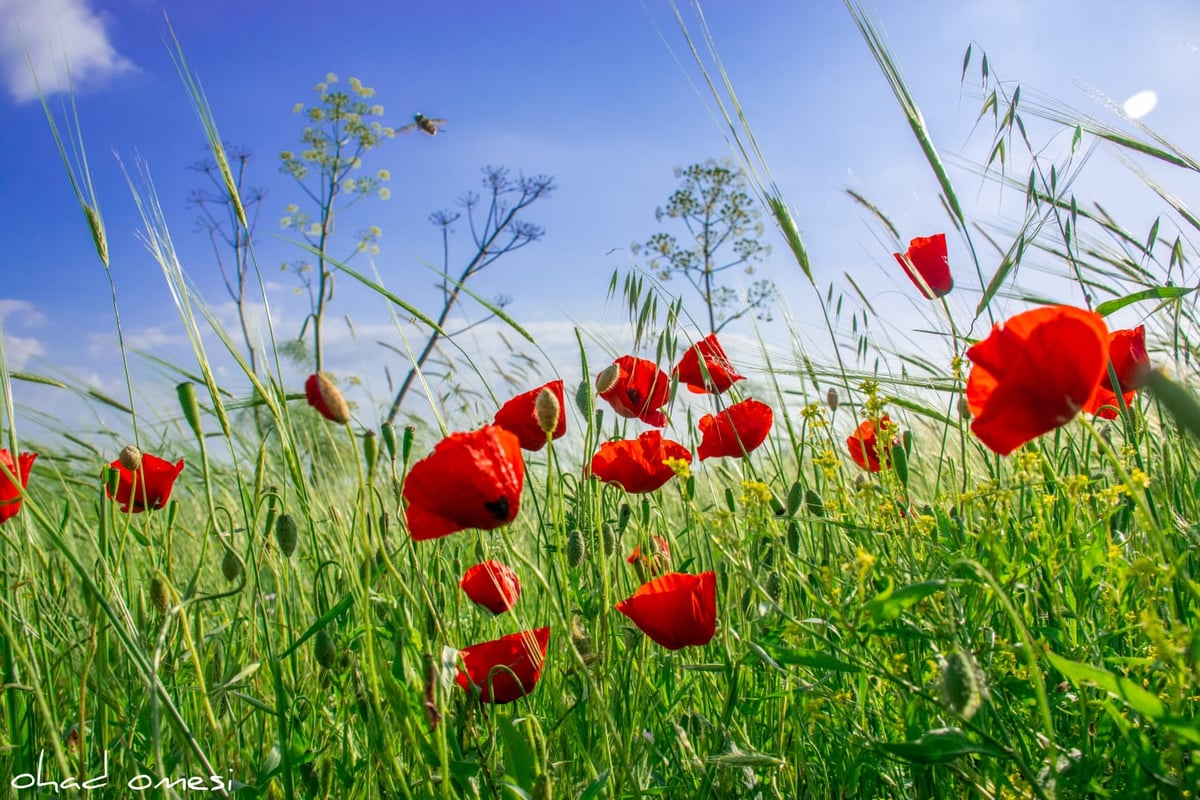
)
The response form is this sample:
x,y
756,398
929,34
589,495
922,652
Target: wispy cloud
x,y
20,312
53,36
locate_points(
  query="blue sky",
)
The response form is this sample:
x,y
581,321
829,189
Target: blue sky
x,y
584,90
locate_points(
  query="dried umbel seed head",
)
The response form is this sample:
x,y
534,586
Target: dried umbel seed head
x,y
547,409
963,684
576,548
831,399
231,566
324,649
130,458
286,534
160,596
607,378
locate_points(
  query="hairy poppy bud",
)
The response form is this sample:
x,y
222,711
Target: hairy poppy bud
x,y
231,566
547,409
963,685
370,450
607,377
130,458
324,649
159,596
608,537
576,548
323,395
286,534
774,586
831,399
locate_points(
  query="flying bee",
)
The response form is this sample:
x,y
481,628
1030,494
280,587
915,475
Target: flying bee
x,y
424,124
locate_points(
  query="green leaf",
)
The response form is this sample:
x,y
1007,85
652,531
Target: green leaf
x,y
1132,695
938,747
519,761
805,657
594,788
1153,293
888,604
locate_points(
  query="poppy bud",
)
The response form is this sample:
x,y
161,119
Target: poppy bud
x,y
323,395
962,684
159,596
324,649
623,516
900,463
606,379
795,498
793,537
191,408
370,450
389,439
407,442
130,458
286,534
831,399
583,398
609,537
964,408
231,566
774,586
576,548
547,410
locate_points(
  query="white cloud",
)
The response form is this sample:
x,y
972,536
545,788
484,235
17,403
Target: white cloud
x,y
21,312
39,33
19,349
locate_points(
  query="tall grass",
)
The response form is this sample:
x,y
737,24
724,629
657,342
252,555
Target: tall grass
x,y
966,625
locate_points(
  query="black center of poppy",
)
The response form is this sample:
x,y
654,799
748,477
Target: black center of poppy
x,y
498,508
635,397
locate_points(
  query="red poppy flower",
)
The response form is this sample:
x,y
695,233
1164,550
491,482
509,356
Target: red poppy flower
x,y
863,445
323,395
1034,373
506,668
492,585
518,416
676,610
720,375
735,431
1131,362
10,494
639,391
149,487
470,480
638,465
928,266
654,562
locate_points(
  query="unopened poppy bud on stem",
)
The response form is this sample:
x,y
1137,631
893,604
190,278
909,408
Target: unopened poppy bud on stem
x,y
130,458
831,399
607,378
547,410
323,395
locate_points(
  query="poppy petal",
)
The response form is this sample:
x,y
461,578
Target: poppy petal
x,y
10,494
705,368
518,416
675,610
1034,373
507,668
736,431
927,265
471,480
639,391
638,465
149,488
492,585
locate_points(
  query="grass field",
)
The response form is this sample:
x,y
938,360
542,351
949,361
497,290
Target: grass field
x,y
874,602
